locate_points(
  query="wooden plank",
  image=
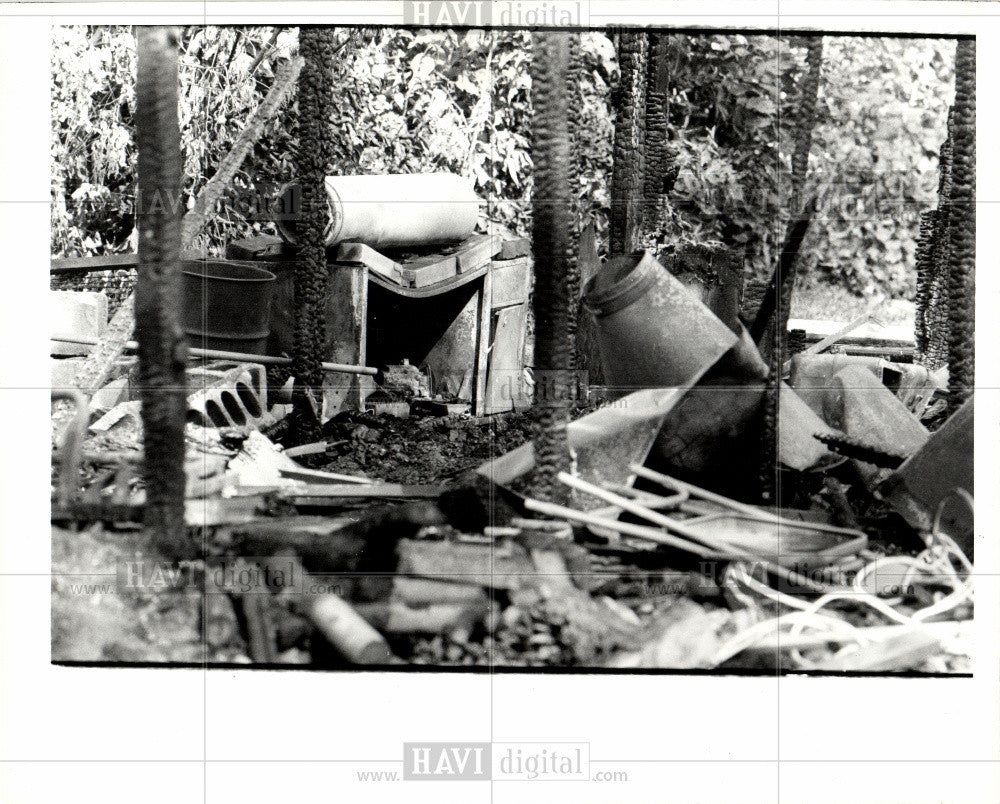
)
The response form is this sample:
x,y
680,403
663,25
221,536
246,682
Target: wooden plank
x,y
373,260
450,283
504,385
346,336
422,271
322,494
510,281
70,266
451,362
477,250
514,247
482,352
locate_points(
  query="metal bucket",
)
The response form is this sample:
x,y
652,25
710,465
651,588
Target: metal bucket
x,y
652,332
227,305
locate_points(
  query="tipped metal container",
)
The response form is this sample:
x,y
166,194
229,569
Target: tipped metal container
x,y
652,332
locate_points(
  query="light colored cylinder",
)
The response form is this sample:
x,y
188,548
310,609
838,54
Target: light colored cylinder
x,y
347,631
396,210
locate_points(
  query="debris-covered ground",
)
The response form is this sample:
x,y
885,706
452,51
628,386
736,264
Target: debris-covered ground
x,y
418,449
465,579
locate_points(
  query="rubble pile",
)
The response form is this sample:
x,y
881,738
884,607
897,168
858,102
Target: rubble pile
x,y
407,533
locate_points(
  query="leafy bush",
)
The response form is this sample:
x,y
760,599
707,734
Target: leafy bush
x,y
416,100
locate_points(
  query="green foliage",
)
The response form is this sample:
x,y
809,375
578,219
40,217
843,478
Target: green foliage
x,y
884,110
93,152
412,100
725,124
881,119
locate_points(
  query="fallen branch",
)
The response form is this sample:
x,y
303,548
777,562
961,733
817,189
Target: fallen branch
x,y
284,82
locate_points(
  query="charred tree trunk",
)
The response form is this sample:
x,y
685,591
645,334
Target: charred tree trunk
x,y
312,163
657,153
775,341
551,235
931,320
574,91
627,177
158,295
628,174
962,278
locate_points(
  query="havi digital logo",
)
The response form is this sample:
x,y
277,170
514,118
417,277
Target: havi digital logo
x,y
440,761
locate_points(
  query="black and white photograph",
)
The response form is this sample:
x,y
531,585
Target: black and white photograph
x,y
463,347
615,348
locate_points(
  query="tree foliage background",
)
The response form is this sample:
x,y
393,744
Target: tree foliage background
x,y
412,100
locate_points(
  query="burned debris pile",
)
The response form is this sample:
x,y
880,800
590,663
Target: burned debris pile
x,y
366,481
404,534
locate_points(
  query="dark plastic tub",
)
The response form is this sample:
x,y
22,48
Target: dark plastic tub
x,y
227,305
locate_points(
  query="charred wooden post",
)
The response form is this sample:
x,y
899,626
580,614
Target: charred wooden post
x,y
316,45
962,279
158,295
628,173
774,338
657,152
784,282
931,320
806,118
551,234
573,90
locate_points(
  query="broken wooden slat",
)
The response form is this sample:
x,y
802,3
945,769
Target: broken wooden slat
x,y
72,266
504,384
510,282
96,369
476,251
373,260
285,79
317,448
420,272
485,322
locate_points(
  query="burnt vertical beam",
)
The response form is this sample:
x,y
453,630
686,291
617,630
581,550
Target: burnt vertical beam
x,y
574,70
158,293
657,155
936,315
551,235
316,46
806,118
628,170
925,274
774,339
962,262
933,266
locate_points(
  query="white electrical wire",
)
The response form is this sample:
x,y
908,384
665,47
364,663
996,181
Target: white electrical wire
x,y
934,566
